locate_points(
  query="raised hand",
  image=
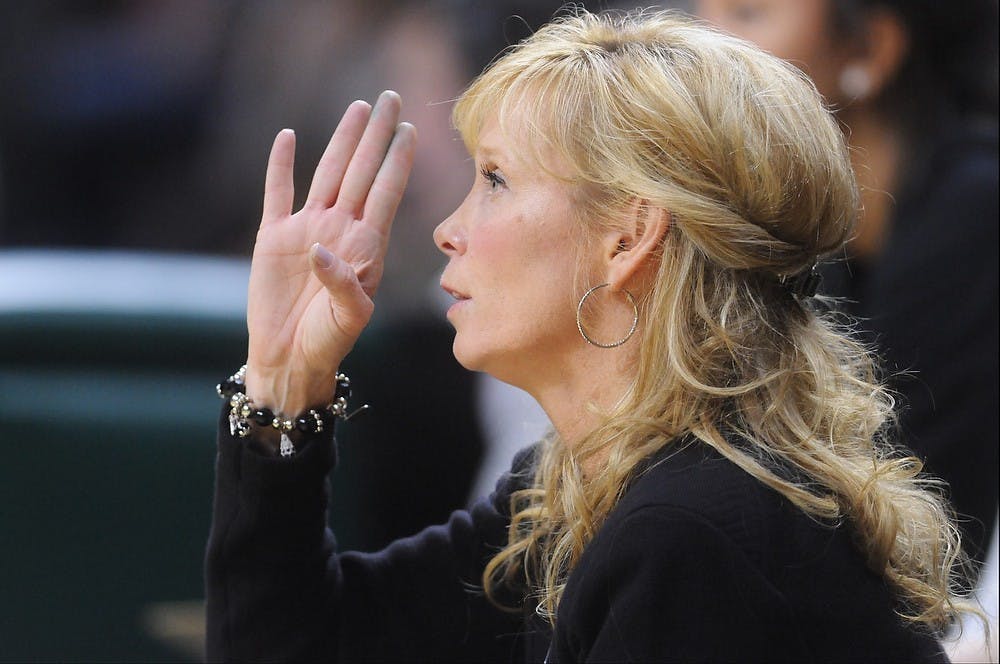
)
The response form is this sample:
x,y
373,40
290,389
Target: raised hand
x,y
314,273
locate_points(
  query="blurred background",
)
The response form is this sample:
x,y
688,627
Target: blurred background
x,y
133,139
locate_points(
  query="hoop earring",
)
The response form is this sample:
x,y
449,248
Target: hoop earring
x,y
579,321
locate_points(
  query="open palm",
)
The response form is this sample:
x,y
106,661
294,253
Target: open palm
x,y
314,273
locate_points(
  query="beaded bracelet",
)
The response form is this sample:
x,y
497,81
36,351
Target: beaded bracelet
x,y
243,414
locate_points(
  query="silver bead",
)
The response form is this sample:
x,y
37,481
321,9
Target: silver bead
x,y
318,419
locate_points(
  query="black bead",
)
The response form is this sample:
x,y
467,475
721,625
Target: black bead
x,y
343,390
229,387
305,424
262,417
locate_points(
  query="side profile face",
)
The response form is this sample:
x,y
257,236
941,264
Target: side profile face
x,y
512,248
794,30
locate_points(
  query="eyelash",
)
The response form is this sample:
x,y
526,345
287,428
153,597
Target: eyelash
x,y
490,175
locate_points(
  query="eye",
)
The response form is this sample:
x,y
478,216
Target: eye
x,y
747,12
494,179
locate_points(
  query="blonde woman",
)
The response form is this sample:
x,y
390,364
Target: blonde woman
x,y
637,253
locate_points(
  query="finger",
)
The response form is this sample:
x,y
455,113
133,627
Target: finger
x,y
352,308
279,190
332,165
387,189
371,152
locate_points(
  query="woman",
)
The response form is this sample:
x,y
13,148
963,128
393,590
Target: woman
x,y
636,253
914,83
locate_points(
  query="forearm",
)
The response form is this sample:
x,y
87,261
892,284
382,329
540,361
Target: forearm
x,y
276,585
271,594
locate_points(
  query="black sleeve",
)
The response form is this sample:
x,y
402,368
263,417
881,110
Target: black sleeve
x,y
278,590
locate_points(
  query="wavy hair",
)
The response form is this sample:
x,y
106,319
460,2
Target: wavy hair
x,y
738,147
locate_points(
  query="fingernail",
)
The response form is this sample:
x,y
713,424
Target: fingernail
x,y
321,256
382,98
286,130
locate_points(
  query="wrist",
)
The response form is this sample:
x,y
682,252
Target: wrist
x,y
287,391
246,416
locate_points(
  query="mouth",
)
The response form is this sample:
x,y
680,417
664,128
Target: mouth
x,y
459,298
457,295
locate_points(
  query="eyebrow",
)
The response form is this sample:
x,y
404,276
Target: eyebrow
x,y
490,152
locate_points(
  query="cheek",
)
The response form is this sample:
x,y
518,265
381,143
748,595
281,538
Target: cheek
x,y
525,280
497,256
800,37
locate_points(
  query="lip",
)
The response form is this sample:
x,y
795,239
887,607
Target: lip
x,y
460,297
454,292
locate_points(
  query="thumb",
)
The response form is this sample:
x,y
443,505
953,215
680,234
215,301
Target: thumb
x,y
349,304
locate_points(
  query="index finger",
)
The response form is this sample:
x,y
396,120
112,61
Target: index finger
x,y
279,190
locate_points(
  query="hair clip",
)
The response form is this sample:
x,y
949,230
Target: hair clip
x,y
804,283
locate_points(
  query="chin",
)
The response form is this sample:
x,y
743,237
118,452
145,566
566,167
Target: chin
x,y
472,355
464,356
475,360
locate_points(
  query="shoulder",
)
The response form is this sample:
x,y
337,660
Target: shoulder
x,y
694,499
940,261
694,521
697,543
697,485
669,568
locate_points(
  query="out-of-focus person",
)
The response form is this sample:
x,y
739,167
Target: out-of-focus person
x,y
104,104
914,84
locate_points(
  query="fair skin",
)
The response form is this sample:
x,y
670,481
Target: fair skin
x,y
315,271
800,32
512,264
513,257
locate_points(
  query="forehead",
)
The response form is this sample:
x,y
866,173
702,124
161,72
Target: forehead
x,y
491,140
512,142
496,141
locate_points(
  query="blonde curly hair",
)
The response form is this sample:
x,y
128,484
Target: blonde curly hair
x,y
755,174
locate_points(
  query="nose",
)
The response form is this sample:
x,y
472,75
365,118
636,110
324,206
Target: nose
x,y
449,236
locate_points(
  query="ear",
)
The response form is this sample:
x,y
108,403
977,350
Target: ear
x,y
879,58
630,251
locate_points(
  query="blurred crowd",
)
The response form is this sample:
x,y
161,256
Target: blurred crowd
x,y
145,124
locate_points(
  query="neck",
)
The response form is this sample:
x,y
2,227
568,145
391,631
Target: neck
x,y
578,399
875,155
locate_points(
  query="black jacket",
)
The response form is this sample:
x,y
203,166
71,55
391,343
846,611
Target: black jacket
x,y
699,561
